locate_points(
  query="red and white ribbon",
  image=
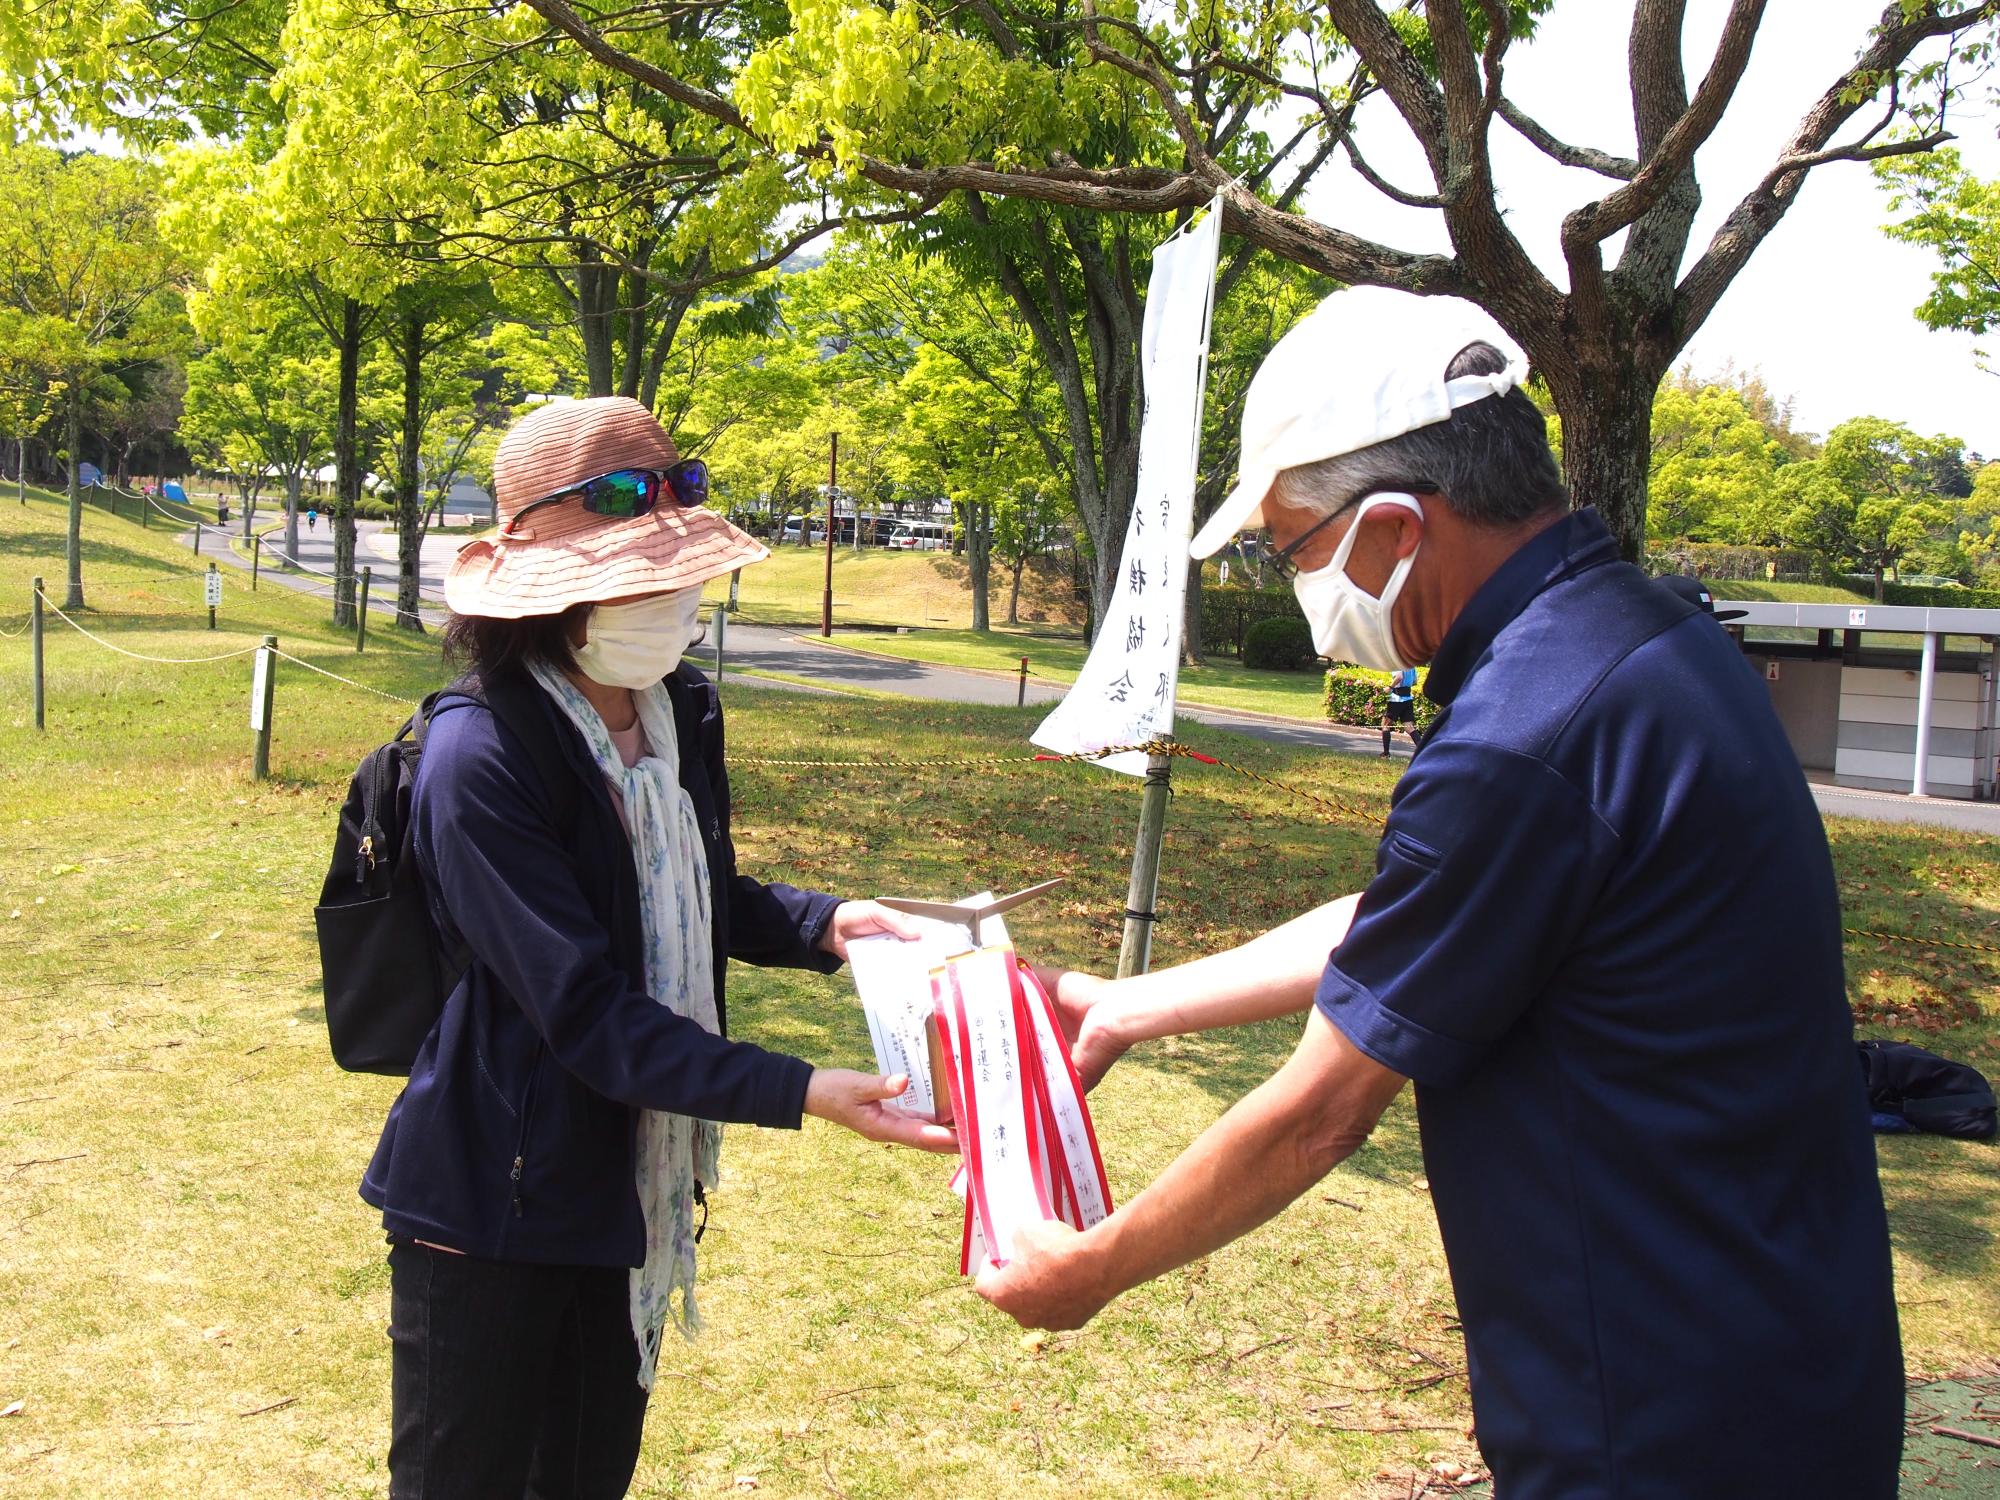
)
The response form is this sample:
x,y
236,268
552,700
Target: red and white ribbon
x,y
1029,1150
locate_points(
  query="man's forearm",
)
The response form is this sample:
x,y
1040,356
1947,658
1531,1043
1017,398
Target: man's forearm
x,y
1274,974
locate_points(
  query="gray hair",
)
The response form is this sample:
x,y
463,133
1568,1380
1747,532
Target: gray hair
x,y
1490,459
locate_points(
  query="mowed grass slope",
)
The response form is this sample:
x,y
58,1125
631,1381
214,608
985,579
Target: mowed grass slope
x,y
192,1299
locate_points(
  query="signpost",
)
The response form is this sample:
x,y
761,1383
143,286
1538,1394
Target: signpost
x,y
1125,693
262,684
211,592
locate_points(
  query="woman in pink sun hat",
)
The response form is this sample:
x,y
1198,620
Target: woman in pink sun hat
x,y
543,1176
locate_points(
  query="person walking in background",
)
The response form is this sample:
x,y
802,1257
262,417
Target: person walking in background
x,y
312,518
541,1176
1401,707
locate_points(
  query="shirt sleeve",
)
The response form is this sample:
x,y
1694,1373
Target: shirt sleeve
x,y
1488,867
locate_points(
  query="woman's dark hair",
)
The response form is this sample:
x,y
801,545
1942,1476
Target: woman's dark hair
x,y
493,647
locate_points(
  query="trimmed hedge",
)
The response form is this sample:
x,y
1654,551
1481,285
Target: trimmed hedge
x,y
1229,613
1280,644
1937,598
1726,561
1355,695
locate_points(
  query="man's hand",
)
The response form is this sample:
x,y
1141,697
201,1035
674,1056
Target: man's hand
x,y
1095,1042
856,1101
1040,1287
853,919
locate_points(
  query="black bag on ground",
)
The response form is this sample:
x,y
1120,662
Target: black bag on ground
x,y
1928,1092
383,969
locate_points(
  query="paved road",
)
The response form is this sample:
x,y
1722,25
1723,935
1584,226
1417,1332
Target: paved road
x,y
787,651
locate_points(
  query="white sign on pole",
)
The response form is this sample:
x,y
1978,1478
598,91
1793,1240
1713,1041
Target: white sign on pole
x,y
1125,693
258,695
211,589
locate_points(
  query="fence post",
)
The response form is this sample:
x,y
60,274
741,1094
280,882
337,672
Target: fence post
x,y
721,620
1021,695
146,513
39,697
197,539
735,578
361,610
262,684
256,558
1136,952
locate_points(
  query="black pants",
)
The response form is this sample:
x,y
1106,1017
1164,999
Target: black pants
x,y
510,1380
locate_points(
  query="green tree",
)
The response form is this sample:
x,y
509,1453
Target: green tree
x,y
919,103
1956,215
30,385
1865,503
81,254
1712,465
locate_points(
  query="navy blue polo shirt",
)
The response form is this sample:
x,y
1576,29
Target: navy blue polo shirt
x,y
1604,938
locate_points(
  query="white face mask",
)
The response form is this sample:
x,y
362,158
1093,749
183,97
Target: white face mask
x,y
1348,623
635,645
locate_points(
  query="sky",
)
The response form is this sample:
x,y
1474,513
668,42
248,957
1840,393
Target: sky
x,y
1824,308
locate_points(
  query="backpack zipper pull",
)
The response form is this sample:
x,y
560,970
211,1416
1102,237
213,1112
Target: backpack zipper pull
x,y
364,859
515,1178
701,1202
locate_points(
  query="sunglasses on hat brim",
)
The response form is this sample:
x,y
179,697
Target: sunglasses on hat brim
x,y
625,493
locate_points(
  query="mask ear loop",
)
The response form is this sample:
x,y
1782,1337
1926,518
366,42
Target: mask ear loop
x,y
1346,548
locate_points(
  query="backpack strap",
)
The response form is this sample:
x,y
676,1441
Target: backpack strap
x,y
519,703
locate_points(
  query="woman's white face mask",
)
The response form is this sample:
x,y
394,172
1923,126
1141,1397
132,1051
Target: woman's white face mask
x,y
635,645
1349,623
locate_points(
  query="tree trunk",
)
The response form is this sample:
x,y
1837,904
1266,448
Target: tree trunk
x,y
979,563
1014,593
293,485
73,547
1607,427
1878,583
346,464
1191,642
596,286
409,515
21,470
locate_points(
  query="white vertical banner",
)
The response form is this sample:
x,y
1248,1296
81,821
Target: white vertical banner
x,y
1125,693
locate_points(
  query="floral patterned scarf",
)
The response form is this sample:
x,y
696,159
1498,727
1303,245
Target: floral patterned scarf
x,y
675,1153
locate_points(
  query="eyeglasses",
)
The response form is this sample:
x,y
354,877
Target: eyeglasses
x,y
1283,562
624,493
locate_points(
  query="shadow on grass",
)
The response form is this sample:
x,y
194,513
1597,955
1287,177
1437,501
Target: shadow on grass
x,y
94,553
1932,1218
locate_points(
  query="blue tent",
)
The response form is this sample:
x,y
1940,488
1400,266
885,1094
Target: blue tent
x,y
89,474
173,491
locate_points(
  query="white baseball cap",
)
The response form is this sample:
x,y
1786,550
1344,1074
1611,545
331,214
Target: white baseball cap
x,y
1364,366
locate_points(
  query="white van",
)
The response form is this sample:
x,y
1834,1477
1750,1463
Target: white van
x,y
921,536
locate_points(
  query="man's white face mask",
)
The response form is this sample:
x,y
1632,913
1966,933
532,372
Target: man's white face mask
x,y
1348,623
635,645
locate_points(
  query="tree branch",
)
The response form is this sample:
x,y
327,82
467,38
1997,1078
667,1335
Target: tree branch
x,y
1586,157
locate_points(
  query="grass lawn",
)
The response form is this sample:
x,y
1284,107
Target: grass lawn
x,y
192,1299
876,586
1220,684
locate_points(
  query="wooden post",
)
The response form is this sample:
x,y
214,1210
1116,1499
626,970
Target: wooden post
x,y
832,483
1021,696
197,539
1136,952
735,578
39,687
146,513
256,558
721,620
262,687
213,587
361,611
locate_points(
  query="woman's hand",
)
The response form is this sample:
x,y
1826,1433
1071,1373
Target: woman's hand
x,y
853,919
856,1101
1088,1022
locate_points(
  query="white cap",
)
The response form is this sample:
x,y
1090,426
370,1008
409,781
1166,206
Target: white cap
x,y
1364,366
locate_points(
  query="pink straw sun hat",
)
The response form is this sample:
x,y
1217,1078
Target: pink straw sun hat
x,y
564,554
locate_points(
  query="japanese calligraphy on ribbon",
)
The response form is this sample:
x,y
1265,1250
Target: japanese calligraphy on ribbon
x,y
1125,693
1002,1074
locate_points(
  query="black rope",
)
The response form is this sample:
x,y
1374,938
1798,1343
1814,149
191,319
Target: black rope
x,y
1140,916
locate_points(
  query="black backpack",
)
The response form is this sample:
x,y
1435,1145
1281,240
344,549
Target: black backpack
x,y
384,971
1926,1092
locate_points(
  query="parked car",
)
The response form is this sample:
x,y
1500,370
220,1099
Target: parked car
x,y
921,536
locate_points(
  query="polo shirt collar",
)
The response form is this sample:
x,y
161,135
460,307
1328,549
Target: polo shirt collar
x,y
1579,540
